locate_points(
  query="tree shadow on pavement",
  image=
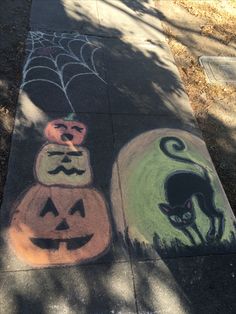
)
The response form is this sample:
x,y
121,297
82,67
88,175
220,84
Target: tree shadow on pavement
x,y
181,285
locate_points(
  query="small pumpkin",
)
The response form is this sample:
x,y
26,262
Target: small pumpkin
x,y
63,165
55,226
65,131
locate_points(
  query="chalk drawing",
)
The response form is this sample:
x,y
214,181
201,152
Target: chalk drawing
x,y
64,166
51,54
62,219
181,186
59,226
171,197
65,131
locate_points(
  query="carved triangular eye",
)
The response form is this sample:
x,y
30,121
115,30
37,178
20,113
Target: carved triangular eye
x,y
49,207
78,206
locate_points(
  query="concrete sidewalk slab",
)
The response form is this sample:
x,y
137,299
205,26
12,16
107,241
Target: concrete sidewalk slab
x,y
151,85
65,15
27,144
127,127
186,285
65,70
133,19
148,165
89,289
112,18
86,74
29,138
135,132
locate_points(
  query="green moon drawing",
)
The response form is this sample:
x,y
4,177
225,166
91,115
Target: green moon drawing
x,y
144,171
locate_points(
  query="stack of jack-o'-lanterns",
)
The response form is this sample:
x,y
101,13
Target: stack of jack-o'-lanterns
x,y
61,219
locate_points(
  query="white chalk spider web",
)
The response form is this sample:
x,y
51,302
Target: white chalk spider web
x,y
58,59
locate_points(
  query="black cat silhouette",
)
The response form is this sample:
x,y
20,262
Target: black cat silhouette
x,y
180,187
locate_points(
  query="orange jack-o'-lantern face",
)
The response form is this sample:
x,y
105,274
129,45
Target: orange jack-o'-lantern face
x,y
62,131
53,226
63,165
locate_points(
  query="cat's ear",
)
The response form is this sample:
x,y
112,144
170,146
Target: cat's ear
x,y
188,204
165,208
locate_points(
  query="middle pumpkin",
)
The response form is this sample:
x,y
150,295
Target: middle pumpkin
x,y
62,165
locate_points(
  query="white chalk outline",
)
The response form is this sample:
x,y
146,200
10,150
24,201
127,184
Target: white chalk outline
x,y
38,40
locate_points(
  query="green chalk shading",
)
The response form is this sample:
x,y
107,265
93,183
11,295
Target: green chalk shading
x,y
144,190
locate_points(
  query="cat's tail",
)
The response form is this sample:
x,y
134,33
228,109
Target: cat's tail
x,y
177,146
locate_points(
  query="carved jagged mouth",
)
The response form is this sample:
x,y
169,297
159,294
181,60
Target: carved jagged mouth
x,y
67,171
54,244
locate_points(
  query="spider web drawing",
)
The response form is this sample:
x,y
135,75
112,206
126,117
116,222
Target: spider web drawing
x,y
58,59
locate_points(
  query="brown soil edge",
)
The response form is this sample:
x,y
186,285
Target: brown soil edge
x,y
14,26
213,105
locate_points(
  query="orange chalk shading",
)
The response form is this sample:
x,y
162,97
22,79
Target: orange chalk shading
x,y
65,132
59,226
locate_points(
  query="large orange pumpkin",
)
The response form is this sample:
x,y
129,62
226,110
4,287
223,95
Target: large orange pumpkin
x,y
55,226
65,131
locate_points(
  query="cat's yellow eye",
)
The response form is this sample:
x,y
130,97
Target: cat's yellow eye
x,y
175,218
187,215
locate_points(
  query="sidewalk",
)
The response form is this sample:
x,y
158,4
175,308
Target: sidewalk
x,y
112,204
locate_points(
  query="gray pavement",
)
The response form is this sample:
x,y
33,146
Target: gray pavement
x,y
110,245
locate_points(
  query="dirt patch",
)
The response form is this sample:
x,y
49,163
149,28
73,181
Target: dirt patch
x,y
14,21
196,28
218,15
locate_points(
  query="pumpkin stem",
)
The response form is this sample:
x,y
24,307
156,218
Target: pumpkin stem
x,y
71,117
